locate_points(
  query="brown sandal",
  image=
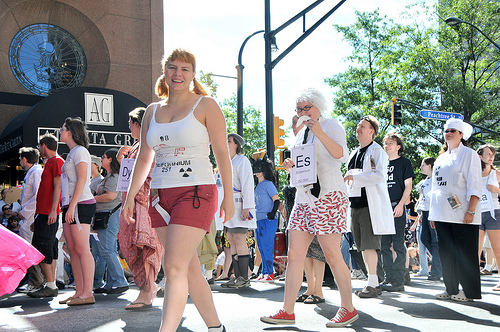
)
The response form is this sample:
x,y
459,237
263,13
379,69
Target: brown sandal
x,y
67,300
313,299
302,297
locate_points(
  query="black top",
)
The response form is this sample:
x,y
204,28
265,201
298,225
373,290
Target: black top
x,y
398,171
356,162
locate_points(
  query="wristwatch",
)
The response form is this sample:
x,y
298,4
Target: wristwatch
x,y
471,213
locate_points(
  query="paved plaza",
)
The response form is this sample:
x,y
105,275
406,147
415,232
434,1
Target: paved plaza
x,y
416,309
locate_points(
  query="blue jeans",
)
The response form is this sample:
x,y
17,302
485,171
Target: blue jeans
x,y
346,255
266,231
422,253
100,264
108,248
430,240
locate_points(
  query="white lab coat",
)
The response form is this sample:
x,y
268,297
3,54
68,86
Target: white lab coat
x,y
28,200
456,172
243,193
374,180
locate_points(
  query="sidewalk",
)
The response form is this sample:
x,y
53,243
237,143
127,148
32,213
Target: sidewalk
x,y
416,309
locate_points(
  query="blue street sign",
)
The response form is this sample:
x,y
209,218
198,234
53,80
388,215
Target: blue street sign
x,y
436,115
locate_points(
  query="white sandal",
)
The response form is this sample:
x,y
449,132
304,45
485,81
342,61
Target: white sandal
x,y
443,296
461,297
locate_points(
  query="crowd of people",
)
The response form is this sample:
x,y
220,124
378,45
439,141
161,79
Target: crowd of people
x,y
176,200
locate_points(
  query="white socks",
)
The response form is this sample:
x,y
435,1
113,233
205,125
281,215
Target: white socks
x,y
487,267
219,328
51,285
372,280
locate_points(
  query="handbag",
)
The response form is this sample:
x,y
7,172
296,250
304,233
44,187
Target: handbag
x,y
101,218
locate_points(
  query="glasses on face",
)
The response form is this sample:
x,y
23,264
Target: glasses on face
x,y
104,157
305,109
62,129
450,131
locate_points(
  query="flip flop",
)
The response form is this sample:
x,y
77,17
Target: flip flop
x,y
139,306
313,299
496,288
223,279
302,298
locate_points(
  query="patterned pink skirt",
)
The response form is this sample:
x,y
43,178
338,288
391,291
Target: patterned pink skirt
x,y
327,215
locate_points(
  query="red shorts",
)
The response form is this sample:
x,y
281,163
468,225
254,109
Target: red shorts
x,y
327,216
193,206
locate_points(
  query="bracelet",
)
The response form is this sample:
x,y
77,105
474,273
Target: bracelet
x,y
471,213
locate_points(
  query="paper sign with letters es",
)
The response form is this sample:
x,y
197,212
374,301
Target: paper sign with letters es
x,y
304,171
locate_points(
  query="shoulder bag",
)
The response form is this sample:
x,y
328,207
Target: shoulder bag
x,y
101,218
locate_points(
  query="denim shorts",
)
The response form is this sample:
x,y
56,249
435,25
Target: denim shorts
x,y
487,221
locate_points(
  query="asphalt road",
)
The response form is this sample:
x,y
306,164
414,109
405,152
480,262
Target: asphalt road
x,y
416,309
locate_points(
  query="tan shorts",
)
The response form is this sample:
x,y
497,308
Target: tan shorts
x,y
362,230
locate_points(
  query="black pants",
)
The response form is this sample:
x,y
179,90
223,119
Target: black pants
x,y
395,268
458,245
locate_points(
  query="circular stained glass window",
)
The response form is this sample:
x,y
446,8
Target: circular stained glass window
x,y
46,58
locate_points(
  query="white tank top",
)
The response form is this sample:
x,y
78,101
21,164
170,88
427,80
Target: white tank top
x,y
181,152
489,200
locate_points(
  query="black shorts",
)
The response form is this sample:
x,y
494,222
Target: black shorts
x,y
44,237
85,213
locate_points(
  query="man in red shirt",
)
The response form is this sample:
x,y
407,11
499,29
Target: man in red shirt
x,y
47,214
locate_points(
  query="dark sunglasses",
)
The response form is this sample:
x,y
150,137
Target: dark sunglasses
x,y
450,131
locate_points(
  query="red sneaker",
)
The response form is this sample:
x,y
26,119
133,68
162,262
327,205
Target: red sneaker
x,y
343,318
260,277
268,278
281,317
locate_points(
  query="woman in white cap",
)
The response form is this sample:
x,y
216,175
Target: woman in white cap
x,y
455,212
237,227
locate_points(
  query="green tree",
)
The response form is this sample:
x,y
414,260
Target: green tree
x,y
419,62
208,82
254,131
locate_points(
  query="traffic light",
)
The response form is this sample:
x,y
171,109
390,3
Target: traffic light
x,y
285,153
259,155
278,132
395,113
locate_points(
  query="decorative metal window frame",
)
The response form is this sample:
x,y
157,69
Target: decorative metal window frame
x,y
46,58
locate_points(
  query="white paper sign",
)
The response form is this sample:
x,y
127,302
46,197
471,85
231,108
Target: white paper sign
x,y
126,168
352,190
304,171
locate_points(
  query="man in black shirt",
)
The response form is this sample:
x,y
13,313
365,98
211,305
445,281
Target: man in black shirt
x,y
399,183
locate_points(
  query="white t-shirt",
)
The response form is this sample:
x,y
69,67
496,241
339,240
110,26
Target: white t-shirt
x,y
69,178
424,189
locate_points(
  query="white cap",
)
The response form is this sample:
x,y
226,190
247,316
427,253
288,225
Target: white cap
x,y
459,125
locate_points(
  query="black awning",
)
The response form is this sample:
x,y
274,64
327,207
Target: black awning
x,y
104,110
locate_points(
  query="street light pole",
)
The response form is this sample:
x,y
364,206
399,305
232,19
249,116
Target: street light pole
x,y
452,21
269,81
239,96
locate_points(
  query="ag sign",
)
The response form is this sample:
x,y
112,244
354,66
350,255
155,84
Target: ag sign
x,y
436,115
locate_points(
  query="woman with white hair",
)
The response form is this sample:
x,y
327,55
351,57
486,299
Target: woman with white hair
x,y
456,214
320,209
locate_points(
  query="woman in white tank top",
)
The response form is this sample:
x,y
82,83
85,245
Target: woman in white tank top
x,y
177,132
490,207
